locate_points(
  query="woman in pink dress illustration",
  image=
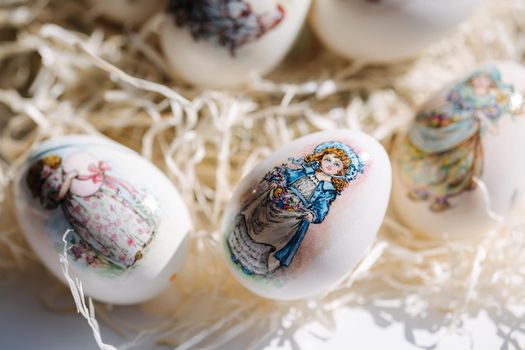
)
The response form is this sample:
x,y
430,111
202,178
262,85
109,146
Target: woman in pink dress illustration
x,y
107,213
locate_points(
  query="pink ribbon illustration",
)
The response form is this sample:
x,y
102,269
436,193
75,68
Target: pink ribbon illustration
x,y
98,175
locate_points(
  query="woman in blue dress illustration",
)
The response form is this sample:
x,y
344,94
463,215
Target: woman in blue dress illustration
x,y
443,152
271,226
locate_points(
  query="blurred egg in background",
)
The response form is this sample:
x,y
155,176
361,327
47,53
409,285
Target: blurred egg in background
x,y
384,31
222,43
459,169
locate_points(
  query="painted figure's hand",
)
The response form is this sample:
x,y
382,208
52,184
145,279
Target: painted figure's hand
x,y
64,189
273,185
309,216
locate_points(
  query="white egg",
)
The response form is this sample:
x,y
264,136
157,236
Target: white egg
x,y
304,217
383,31
130,12
459,170
128,224
222,43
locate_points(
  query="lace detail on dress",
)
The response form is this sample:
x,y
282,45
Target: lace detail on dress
x,y
307,185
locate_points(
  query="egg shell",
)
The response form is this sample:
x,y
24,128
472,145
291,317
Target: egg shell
x,y
130,225
129,12
201,60
269,245
384,31
471,186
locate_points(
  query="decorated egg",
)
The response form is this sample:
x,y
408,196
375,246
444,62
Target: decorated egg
x,y
456,172
222,43
130,12
124,225
305,216
382,31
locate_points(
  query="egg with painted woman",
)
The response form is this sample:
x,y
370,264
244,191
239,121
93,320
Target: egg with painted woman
x,y
304,217
221,43
121,221
457,171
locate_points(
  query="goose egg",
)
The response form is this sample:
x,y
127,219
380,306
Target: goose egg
x,y
221,43
124,223
458,170
382,31
303,218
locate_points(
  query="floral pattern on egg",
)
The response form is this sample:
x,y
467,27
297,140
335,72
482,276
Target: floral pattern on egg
x,y
443,153
274,220
232,23
113,222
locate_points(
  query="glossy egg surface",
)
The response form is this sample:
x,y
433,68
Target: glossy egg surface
x,y
383,31
124,222
222,43
458,170
304,217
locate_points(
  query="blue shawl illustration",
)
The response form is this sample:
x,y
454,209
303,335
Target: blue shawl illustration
x,y
271,226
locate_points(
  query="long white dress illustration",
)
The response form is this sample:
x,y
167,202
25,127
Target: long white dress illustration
x,y
105,212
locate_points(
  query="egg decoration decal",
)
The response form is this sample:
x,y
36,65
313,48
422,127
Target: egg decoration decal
x,y
127,223
385,31
456,172
304,217
220,43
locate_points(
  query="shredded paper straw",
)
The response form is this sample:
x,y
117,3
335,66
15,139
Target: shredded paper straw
x,y
66,70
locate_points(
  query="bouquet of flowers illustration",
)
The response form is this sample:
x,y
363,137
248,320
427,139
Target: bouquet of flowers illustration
x,y
437,119
281,196
80,250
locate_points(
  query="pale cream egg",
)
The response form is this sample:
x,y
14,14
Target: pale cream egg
x,y
383,31
122,222
304,217
225,43
459,169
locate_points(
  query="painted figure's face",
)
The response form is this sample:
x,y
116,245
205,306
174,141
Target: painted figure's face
x,y
481,83
331,164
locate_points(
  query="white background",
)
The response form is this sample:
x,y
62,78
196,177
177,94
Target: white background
x,y
25,324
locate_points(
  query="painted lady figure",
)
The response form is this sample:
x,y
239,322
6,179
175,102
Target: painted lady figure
x,y
443,151
232,23
104,212
271,226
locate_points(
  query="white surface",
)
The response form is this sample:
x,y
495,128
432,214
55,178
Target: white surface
x,y
26,324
